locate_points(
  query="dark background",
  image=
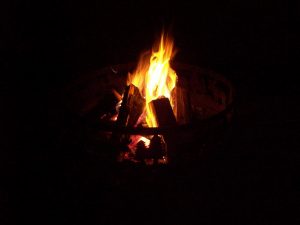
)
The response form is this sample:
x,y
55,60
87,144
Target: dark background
x,y
47,44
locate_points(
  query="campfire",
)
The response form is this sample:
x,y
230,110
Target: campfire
x,y
153,111
149,101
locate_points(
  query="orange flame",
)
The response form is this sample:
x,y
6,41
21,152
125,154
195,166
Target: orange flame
x,y
154,77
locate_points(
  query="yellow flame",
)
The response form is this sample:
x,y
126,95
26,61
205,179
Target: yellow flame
x,y
154,77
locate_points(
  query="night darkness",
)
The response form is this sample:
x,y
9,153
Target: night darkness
x,y
45,45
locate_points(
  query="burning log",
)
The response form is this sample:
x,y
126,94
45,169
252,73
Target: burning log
x,y
163,112
132,107
136,104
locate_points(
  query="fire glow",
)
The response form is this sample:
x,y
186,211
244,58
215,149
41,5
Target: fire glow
x,y
154,76
152,103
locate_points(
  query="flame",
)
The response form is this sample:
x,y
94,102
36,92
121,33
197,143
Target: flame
x,y
154,76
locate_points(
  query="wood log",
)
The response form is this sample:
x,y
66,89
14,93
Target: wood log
x,y
133,105
163,111
124,111
136,105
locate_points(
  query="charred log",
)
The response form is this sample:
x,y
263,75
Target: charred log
x,y
132,106
162,109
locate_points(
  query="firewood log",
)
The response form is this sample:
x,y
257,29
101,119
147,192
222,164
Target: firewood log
x,y
162,109
132,107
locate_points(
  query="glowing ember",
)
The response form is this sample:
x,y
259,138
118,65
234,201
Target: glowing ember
x,y
137,138
154,77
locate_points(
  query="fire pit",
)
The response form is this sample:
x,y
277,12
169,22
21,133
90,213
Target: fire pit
x,y
159,126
